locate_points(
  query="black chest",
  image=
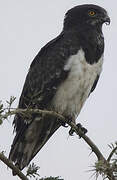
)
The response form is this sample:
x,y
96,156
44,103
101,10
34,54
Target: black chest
x,y
92,42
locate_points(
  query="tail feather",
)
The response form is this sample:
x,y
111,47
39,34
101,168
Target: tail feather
x,y
27,144
40,144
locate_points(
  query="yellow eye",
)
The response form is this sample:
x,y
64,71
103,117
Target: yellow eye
x,y
92,13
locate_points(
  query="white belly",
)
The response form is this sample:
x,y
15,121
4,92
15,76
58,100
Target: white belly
x,y
74,91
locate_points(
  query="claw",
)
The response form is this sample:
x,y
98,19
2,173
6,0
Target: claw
x,y
84,130
71,131
69,119
64,125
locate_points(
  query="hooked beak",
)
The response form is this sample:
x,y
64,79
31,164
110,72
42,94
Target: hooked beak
x,y
106,20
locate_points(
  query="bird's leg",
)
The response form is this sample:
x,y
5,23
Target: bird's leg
x,y
84,130
68,119
63,123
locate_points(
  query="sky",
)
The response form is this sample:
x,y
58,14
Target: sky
x,y
25,27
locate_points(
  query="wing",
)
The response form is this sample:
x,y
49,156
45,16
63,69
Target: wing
x,y
95,84
46,73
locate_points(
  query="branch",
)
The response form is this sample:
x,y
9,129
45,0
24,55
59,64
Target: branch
x,y
112,153
107,170
78,131
13,167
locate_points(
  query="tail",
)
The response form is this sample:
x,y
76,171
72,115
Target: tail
x,y
29,141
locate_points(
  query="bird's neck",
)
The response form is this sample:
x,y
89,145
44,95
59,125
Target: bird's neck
x,y
91,41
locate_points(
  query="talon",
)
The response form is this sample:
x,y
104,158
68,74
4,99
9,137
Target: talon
x,y
71,131
63,124
79,126
84,130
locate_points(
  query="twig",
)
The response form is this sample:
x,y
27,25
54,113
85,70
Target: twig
x,y
56,115
78,131
13,167
31,111
88,141
111,154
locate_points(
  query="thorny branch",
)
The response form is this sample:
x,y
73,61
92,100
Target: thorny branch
x,y
107,171
12,166
112,153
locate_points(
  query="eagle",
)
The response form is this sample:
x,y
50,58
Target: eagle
x,y
60,78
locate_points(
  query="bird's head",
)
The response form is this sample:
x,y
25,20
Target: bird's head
x,y
85,15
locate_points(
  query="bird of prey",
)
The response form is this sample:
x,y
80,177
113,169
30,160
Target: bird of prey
x,y
61,77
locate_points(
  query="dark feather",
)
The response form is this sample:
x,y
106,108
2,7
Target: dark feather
x,y
47,73
95,84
